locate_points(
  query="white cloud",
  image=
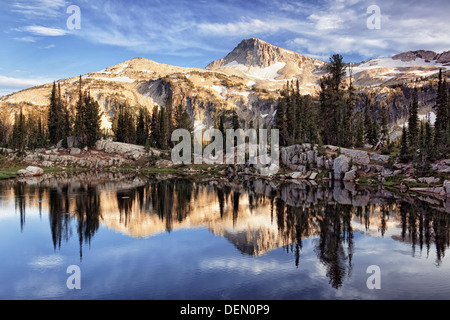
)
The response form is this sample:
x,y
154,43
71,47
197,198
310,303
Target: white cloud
x,y
40,8
238,28
9,85
247,27
44,31
326,22
26,39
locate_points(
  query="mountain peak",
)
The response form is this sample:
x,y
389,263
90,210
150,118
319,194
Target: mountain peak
x,y
254,52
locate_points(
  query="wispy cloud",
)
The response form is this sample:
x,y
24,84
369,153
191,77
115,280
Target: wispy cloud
x,y
45,31
48,47
39,8
12,84
26,39
239,28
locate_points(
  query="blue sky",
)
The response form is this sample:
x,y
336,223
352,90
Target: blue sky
x,y
37,46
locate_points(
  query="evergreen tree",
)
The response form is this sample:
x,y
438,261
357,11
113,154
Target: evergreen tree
x,y
42,139
235,120
80,116
442,126
163,129
154,128
19,134
222,124
141,128
332,103
404,148
124,127
368,122
413,121
281,122
92,120
183,120
384,124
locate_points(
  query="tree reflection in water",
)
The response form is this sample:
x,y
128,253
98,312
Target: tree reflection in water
x,y
297,214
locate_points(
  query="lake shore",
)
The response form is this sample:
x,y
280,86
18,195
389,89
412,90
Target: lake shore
x,y
305,163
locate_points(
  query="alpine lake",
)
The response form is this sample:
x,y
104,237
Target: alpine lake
x,y
160,237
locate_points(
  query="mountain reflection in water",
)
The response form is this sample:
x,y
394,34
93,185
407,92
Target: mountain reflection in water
x,y
255,216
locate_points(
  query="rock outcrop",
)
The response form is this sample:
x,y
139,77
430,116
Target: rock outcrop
x,y
447,187
341,167
30,172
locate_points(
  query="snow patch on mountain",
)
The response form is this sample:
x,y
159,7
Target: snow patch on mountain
x,y
117,79
122,68
269,73
395,64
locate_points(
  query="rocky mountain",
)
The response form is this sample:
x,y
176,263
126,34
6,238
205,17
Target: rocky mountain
x,y
246,80
267,65
142,82
401,68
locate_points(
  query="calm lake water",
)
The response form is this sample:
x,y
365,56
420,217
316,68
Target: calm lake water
x,y
137,237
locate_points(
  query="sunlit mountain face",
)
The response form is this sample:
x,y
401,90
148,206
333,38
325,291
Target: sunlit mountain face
x,y
219,225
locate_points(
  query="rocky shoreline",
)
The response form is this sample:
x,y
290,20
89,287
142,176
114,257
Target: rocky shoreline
x,y
304,162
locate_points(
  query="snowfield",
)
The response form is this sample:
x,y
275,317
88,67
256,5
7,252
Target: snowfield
x,y
117,79
395,64
268,73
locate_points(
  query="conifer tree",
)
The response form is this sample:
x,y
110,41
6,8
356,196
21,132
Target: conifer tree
x,y
53,116
19,134
163,129
384,124
183,120
442,125
141,132
413,121
80,116
124,127
235,120
404,148
281,122
154,128
93,121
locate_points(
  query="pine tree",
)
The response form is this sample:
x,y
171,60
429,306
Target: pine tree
x,y
281,122
384,124
428,137
183,120
92,120
332,103
350,110
442,126
19,134
124,127
235,120
413,121
53,116
141,134
154,128
163,129
80,116
404,148
222,124
42,139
